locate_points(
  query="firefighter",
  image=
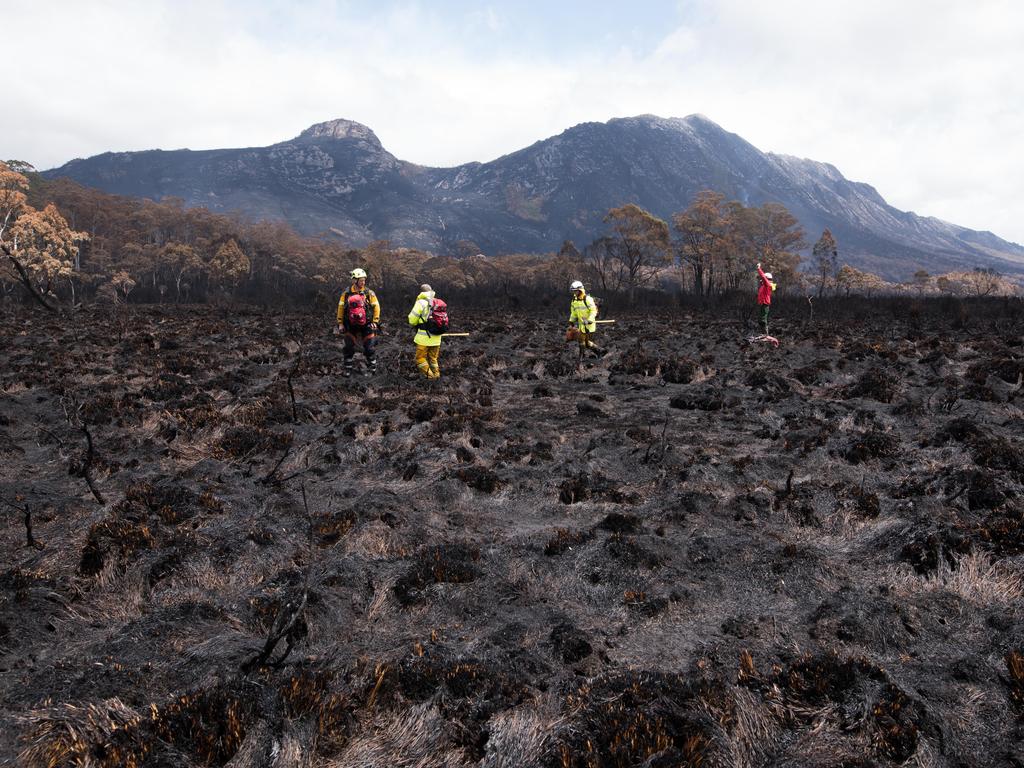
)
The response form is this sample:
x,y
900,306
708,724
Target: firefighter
x,y
582,318
359,321
429,316
764,296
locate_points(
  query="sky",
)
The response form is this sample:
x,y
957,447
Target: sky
x,y
922,99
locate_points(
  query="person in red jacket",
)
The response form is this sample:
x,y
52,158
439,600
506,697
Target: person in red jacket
x,y
764,296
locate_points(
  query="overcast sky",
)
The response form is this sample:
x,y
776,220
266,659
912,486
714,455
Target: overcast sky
x,y
923,99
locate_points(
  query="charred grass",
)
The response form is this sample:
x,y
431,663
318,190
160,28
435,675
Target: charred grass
x,y
689,552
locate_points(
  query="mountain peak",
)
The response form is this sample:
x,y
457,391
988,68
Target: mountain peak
x,y
340,129
671,123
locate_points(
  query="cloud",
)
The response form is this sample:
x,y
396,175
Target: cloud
x,y
920,98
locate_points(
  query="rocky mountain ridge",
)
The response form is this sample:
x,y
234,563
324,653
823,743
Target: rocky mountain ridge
x,y
336,177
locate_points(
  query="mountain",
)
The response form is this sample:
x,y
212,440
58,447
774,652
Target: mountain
x,y
337,177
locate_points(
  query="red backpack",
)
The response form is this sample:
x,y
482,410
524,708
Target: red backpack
x,y
357,311
437,318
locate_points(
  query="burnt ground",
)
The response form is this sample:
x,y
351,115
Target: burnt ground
x,y
691,551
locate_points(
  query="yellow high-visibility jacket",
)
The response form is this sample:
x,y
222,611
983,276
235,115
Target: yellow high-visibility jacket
x,y
583,313
371,299
419,314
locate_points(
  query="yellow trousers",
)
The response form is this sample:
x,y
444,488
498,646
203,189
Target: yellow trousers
x,y
426,361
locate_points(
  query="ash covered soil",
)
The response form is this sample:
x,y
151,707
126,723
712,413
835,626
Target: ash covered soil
x,y
691,552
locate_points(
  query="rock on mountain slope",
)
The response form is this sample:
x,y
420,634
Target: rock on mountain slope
x,y
337,177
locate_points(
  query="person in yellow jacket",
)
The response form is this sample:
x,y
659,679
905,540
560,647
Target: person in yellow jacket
x,y
429,316
359,320
583,318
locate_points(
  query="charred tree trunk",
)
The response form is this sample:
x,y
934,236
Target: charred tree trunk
x,y
25,279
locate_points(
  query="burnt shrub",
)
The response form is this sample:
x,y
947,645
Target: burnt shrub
x,y
442,564
559,368
811,374
873,444
242,441
867,503
419,677
643,605
895,724
171,503
206,726
772,385
679,370
984,491
168,386
927,549
690,503
875,384
469,689
625,719
636,362
957,430
574,489
1015,667
706,399
616,522
422,411
584,486
570,644
1003,531
630,553
565,539
586,408
329,528
479,478
996,452
117,536
1006,368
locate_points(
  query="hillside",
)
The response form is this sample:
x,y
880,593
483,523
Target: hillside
x,y
337,177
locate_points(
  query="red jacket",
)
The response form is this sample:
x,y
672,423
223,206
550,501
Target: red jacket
x,y
764,293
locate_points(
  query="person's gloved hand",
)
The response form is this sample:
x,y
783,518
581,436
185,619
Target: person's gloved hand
x,y
374,327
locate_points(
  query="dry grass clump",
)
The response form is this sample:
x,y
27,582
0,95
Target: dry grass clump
x,y
518,737
209,725
973,577
418,737
66,734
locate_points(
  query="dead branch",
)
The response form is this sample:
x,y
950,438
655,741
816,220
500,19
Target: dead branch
x,y
87,467
85,470
286,623
30,540
291,389
269,477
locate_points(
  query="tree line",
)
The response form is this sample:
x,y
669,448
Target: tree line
x,y
61,241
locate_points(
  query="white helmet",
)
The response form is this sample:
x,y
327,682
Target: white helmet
x,y
576,286
357,273
768,275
